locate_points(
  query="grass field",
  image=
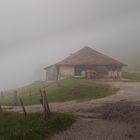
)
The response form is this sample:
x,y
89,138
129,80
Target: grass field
x,y
15,126
64,90
131,76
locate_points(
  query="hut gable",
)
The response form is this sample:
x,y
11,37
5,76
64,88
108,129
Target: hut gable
x,y
89,56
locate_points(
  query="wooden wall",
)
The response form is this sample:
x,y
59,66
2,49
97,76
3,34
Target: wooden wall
x,y
102,72
52,73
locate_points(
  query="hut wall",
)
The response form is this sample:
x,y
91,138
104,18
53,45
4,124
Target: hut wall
x,y
103,72
52,73
66,71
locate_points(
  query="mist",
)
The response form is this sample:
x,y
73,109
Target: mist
x,y
35,34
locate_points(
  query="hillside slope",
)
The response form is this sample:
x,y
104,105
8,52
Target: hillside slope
x,y
61,91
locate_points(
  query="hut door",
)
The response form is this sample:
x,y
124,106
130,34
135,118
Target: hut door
x,y
77,71
90,74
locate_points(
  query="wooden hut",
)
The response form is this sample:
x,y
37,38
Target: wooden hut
x,y
87,63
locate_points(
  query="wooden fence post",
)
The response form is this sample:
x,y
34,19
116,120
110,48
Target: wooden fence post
x,y
23,108
45,105
46,101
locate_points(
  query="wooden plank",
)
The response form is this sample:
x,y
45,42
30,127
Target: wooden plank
x,y
23,108
45,110
46,101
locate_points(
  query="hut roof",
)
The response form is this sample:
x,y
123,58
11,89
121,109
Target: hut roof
x,y
89,56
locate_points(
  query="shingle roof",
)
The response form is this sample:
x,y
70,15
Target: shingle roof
x,y
89,56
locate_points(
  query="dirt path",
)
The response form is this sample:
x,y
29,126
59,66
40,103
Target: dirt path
x,y
128,92
112,118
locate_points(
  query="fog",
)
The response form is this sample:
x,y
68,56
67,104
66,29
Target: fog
x,y
37,33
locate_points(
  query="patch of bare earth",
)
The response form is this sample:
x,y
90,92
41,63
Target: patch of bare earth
x,y
112,121
113,118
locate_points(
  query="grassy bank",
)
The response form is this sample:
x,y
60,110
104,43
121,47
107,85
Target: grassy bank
x,y
64,90
15,126
131,76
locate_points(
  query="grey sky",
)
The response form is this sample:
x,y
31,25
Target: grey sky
x,y
36,33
